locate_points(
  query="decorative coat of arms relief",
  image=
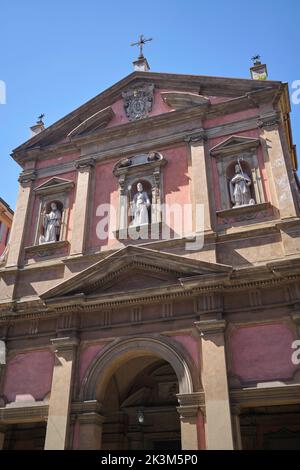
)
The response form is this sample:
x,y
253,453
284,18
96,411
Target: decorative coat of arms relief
x,y
138,101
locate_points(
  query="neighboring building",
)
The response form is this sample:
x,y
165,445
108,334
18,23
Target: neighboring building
x,y
6,217
160,343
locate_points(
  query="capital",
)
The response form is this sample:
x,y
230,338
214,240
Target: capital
x,y
27,176
268,121
210,327
85,164
196,137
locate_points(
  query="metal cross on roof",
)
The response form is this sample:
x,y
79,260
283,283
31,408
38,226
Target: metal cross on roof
x,y
141,43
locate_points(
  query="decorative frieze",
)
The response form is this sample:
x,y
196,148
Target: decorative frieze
x,y
167,310
136,314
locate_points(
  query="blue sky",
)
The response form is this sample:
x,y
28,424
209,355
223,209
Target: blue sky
x,y
56,55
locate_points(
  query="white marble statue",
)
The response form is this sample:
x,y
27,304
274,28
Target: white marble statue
x,y
240,188
51,225
139,207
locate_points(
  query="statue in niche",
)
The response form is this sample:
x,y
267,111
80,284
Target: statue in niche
x,y
240,188
51,225
139,206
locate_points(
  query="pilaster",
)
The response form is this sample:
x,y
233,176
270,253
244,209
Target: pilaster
x,y
84,167
190,405
276,165
199,178
218,429
59,405
20,217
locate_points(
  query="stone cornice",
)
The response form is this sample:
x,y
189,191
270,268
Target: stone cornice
x,y
28,413
265,396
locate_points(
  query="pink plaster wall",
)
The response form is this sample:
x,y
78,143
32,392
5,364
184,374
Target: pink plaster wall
x,y
49,162
201,431
190,344
262,353
176,180
217,121
86,358
30,374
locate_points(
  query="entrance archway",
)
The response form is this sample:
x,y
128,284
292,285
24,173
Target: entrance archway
x,y
140,407
137,381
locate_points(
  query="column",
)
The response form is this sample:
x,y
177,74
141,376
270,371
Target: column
x,y
80,215
218,429
2,436
189,408
20,217
59,405
236,427
276,166
90,433
199,181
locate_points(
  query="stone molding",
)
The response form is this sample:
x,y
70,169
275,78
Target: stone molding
x,y
210,327
53,186
190,403
85,164
268,121
238,211
162,346
234,145
27,176
44,248
66,343
265,396
14,414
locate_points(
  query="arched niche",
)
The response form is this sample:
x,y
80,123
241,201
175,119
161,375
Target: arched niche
x,y
144,168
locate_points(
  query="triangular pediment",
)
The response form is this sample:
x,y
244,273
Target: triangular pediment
x,y
54,185
97,112
235,144
134,269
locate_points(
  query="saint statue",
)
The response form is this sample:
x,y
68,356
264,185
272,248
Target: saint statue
x,y
51,225
139,207
240,188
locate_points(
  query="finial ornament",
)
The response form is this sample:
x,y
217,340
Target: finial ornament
x,y
40,118
256,59
141,42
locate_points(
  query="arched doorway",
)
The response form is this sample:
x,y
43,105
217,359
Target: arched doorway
x,y
140,407
138,381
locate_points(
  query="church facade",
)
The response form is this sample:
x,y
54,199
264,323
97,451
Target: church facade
x,y
150,295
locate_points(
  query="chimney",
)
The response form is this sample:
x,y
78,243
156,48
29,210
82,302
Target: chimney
x,y
258,70
38,127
